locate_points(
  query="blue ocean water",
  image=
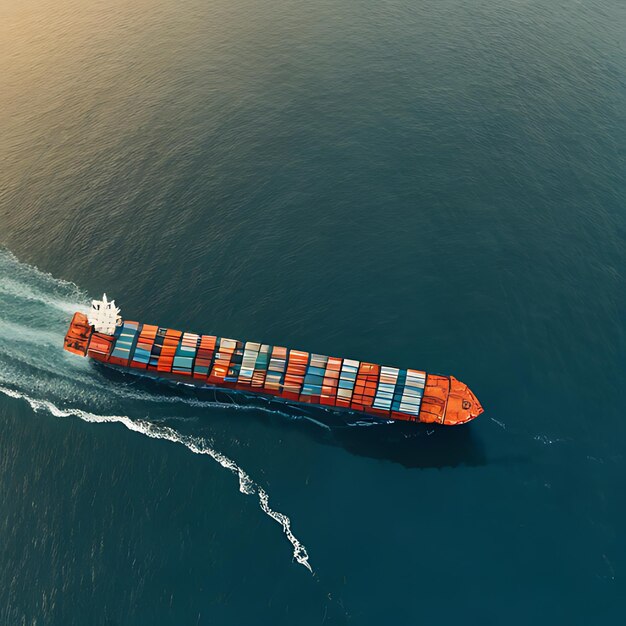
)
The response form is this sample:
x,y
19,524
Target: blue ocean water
x,y
426,184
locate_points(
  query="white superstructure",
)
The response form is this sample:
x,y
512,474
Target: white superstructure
x,y
104,316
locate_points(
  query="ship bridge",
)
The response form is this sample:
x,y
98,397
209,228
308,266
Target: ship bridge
x,y
104,316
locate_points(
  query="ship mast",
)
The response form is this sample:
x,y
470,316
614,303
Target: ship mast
x,y
104,316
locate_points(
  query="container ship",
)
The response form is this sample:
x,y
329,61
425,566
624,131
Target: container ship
x,y
293,376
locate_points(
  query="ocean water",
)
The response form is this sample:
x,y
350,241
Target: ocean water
x,y
429,184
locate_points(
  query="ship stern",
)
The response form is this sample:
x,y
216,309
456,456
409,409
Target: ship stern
x,y
78,335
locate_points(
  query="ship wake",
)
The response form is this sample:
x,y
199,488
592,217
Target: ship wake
x,y
34,309
197,445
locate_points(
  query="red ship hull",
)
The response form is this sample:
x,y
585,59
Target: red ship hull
x,y
293,376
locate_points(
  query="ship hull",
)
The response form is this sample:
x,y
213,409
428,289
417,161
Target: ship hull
x,y
284,376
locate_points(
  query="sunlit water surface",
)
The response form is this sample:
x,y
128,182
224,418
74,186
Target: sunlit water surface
x,y
426,184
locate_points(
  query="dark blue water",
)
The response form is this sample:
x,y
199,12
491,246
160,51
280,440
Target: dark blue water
x,y
426,184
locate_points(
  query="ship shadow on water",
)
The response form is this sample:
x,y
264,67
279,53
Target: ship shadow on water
x,y
411,445
415,445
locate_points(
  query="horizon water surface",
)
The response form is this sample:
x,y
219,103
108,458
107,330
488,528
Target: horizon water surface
x,y
426,184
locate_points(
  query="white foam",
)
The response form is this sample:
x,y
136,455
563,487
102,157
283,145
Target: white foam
x,y
197,445
31,272
27,334
25,292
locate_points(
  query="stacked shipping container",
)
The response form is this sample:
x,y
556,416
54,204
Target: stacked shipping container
x,y
204,356
143,349
185,354
276,371
314,379
170,345
124,344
